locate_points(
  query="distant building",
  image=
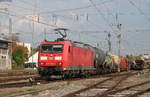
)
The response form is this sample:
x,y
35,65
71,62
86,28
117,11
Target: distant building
x,y
146,56
33,58
5,54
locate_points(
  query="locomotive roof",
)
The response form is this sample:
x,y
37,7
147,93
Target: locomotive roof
x,y
74,43
82,45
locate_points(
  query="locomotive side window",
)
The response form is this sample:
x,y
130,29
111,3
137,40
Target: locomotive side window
x,y
69,49
52,48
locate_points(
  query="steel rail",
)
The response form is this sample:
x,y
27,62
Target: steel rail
x,y
127,88
16,78
85,89
104,94
138,93
94,85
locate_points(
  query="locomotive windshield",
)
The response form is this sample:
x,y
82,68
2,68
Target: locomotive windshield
x,y
52,48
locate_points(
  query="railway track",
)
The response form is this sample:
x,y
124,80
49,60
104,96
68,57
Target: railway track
x,y
104,94
17,78
108,91
122,77
30,83
114,92
17,73
29,80
21,81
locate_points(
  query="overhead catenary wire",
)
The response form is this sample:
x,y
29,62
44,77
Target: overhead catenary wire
x,y
23,17
107,22
27,3
88,21
100,13
21,7
147,2
136,47
139,9
73,9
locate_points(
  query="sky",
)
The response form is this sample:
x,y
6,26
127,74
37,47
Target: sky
x,y
88,21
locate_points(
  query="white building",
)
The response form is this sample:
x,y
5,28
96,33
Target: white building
x,y
33,58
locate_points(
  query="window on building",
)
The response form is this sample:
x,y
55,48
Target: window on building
x,y
4,45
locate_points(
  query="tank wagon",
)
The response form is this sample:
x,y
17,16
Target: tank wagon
x,y
70,58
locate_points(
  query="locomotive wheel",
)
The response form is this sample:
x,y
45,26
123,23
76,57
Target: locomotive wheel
x,y
42,73
66,75
87,74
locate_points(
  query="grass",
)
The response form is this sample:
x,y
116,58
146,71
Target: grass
x,y
17,92
18,70
10,93
32,89
147,74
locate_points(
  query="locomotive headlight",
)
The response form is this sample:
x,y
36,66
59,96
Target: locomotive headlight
x,y
43,58
59,63
42,63
58,58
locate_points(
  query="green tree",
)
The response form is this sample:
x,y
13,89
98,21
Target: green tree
x,y
19,55
129,57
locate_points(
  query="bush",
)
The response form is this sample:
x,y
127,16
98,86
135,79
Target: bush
x,y
19,55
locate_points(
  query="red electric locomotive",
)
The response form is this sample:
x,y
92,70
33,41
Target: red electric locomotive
x,y
68,58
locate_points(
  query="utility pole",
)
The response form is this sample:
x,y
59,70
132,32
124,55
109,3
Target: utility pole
x,y
33,29
44,33
119,26
119,43
119,39
32,40
109,40
54,16
11,37
0,27
10,27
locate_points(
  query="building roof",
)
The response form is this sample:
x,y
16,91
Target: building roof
x,y
5,41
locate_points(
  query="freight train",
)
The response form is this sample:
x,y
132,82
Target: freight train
x,y
70,58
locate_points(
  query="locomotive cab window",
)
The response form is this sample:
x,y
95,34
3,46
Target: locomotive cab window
x,y
58,48
52,48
